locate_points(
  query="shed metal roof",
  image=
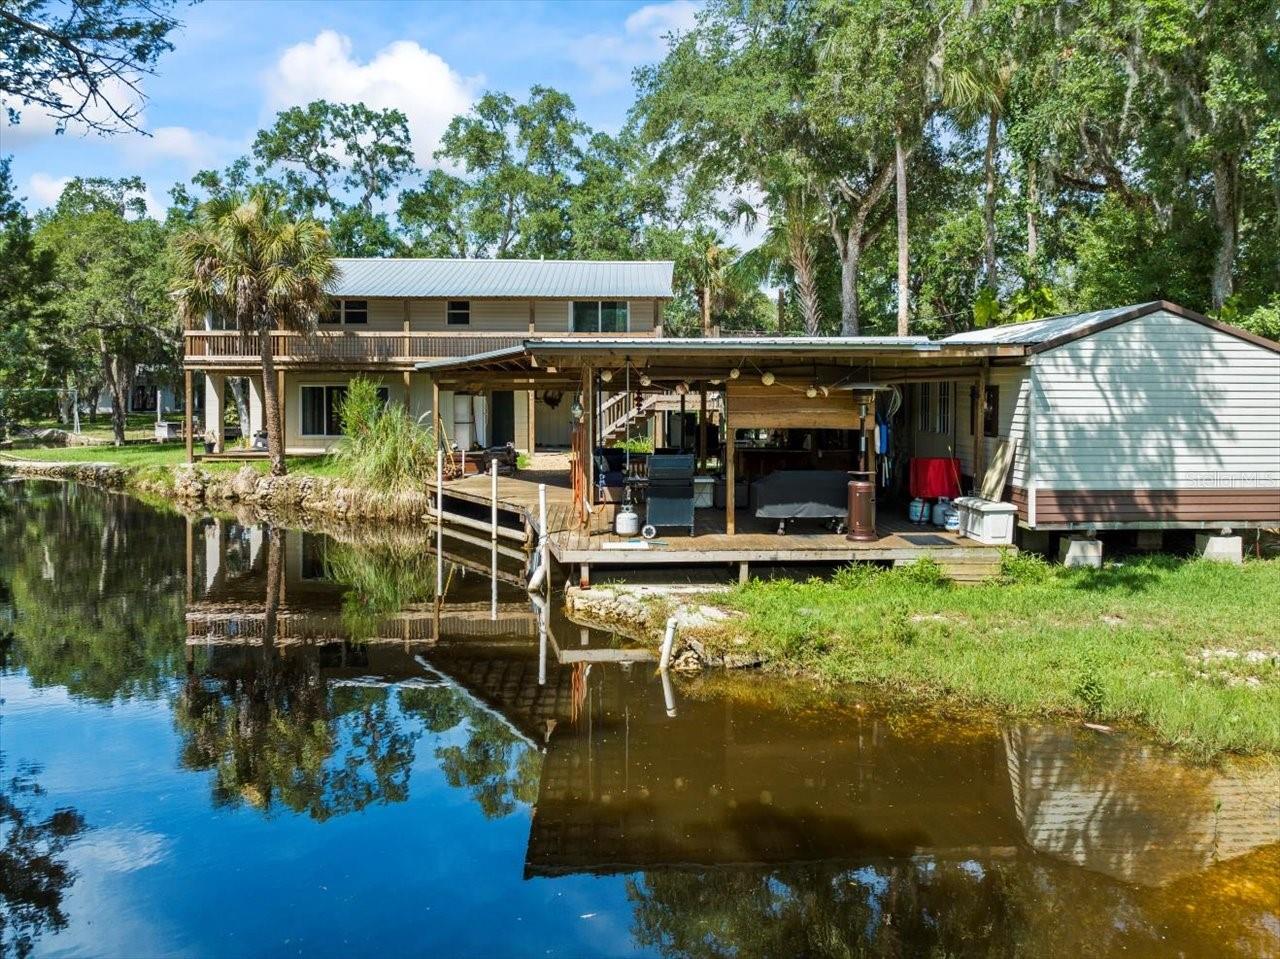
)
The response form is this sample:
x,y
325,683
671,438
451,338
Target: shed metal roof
x,y
1050,328
405,277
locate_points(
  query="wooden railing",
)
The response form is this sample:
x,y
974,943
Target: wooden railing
x,y
219,347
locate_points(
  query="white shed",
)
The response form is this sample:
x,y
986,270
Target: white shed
x,y
1139,417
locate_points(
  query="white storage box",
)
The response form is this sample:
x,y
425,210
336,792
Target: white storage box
x,y
985,520
703,491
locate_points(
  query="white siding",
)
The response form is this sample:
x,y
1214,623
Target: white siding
x,y
1160,402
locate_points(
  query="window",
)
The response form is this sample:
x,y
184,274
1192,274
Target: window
x,y
991,412
322,409
924,411
599,316
458,313
351,312
943,420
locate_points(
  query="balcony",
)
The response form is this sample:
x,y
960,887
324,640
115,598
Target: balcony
x,y
345,350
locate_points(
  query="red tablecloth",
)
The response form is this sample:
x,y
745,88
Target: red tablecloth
x,y
934,476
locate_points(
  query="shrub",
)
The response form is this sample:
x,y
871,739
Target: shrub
x,y
382,447
1023,568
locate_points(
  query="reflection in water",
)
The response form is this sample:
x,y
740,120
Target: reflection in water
x,y
33,875
321,676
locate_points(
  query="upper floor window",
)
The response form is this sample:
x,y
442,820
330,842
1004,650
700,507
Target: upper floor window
x,y
599,316
351,312
458,313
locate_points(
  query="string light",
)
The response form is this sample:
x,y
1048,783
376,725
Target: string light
x,y
606,376
645,381
811,392
767,378
682,388
734,374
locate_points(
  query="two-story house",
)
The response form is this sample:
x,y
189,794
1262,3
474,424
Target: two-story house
x,y
390,314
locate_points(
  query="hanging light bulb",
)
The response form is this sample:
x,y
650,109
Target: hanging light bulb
x,y
682,388
716,382
824,391
734,374
606,376
811,392
575,408
645,381
767,378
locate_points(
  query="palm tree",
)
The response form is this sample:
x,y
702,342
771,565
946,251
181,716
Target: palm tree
x,y
976,90
708,262
247,258
787,247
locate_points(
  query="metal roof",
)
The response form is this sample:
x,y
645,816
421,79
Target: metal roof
x,y
405,277
1050,328
834,346
722,344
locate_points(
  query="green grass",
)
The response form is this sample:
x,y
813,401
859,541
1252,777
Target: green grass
x,y
1124,644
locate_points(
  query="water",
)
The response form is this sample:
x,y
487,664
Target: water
x,y
199,760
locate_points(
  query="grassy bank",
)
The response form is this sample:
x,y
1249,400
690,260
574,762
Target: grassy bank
x,y
1188,648
146,455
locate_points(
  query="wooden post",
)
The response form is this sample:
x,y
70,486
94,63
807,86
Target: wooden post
x,y
730,464
188,420
533,430
589,438
408,392
435,413
702,428
657,317
979,429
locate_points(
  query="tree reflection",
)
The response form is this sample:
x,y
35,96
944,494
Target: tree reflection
x,y
33,877
495,766
926,907
275,734
382,578
93,580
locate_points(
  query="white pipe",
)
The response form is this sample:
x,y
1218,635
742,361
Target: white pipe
x,y
668,694
540,565
493,493
668,640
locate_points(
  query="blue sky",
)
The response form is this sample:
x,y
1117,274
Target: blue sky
x,y
235,63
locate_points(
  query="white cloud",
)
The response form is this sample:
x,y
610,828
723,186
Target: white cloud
x,y
43,190
609,58
402,75
192,149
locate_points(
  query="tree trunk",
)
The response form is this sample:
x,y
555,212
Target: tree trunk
x,y
904,258
706,311
271,405
116,380
1225,173
850,263
782,312
801,255
989,198
1033,226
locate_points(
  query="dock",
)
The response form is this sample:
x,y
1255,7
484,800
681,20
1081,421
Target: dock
x,y
755,542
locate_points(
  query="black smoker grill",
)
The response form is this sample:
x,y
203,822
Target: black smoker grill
x,y
669,493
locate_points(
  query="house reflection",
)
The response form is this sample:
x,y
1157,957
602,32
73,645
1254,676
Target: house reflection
x,y
743,776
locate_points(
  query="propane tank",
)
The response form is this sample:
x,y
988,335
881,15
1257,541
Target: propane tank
x,y
626,522
940,511
918,511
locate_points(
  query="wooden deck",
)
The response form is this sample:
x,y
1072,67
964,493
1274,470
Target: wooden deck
x,y
755,541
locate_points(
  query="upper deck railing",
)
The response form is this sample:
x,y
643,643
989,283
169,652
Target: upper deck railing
x,y
349,348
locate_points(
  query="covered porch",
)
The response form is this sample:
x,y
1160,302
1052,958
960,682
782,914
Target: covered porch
x,y
771,431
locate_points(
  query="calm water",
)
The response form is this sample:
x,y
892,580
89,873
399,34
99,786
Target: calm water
x,y
222,739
